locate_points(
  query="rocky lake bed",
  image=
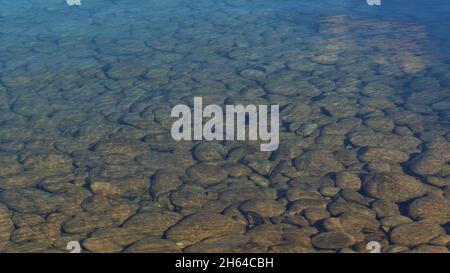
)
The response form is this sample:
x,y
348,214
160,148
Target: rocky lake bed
x,y
86,152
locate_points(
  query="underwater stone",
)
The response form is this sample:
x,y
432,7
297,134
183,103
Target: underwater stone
x,y
333,240
416,233
318,162
433,208
153,245
206,174
427,164
6,224
188,196
126,70
152,223
264,207
30,201
200,226
394,187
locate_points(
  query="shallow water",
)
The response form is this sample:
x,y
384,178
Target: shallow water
x,y
86,153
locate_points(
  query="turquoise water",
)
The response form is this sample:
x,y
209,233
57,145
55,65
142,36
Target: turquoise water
x,y
86,153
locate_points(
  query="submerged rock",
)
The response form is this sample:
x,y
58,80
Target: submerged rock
x,y
30,201
433,208
318,162
263,207
110,240
333,240
126,70
394,187
200,226
188,196
307,129
6,224
206,174
427,164
151,223
49,163
385,141
153,245
384,155
44,233
416,233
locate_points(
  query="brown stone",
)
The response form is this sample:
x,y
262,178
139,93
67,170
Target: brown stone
x,y
394,187
416,233
200,226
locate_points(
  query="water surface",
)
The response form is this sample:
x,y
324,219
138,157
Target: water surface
x,y
85,147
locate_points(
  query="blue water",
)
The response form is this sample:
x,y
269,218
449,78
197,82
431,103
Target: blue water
x,y
85,99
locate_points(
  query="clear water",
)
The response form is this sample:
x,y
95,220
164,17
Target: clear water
x,y
85,148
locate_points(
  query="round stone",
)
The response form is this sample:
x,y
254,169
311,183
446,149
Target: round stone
x,y
209,152
200,226
384,208
153,245
302,204
373,154
164,182
6,225
151,223
426,164
29,201
188,196
307,129
255,72
263,206
207,174
416,233
434,208
123,70
348,180
430,249
394,187
236,169
381,124
333,240
318,162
